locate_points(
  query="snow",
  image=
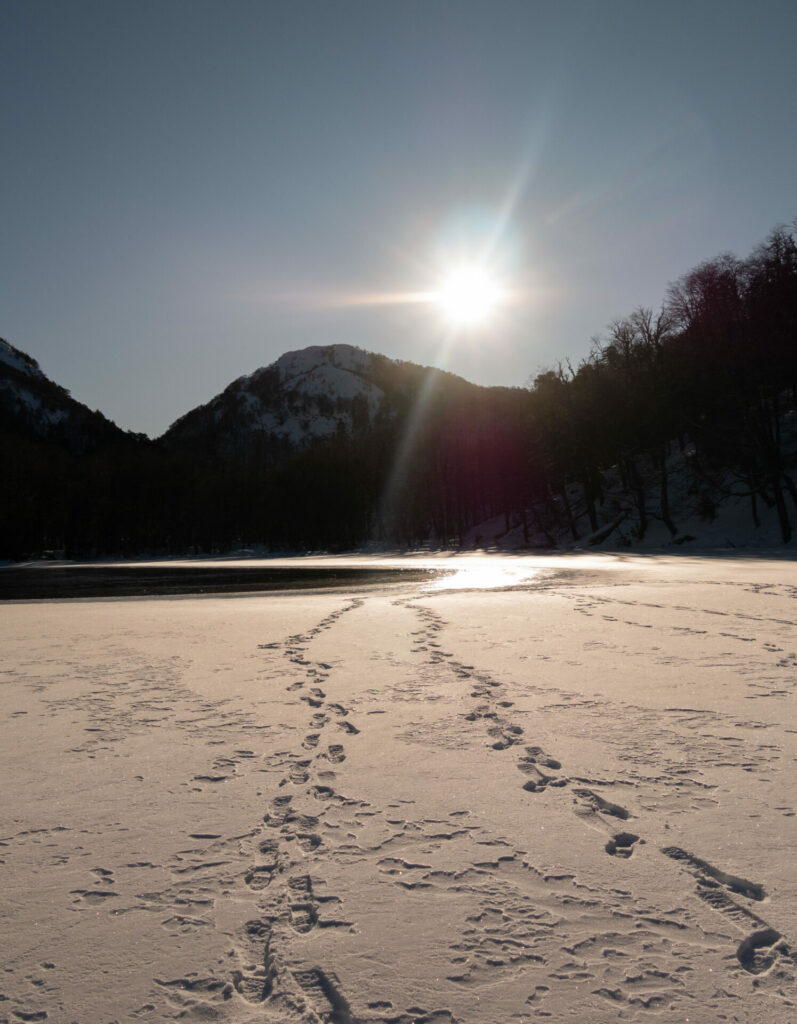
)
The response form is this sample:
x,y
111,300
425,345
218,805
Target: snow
x,y
728,524
301,361
17,361
318,372
45,415
570,799
336,382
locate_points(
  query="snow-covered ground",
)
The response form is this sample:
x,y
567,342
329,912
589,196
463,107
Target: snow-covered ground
x,y
572,800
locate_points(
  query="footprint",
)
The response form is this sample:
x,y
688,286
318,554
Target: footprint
x,y
259,876
537,754
303,913
621,844
352,730
277,817
335,753
538,782
713,886
311,740
323,988
255,981
505,735
92,896
530,765
748,956
599,804
305,822
752,890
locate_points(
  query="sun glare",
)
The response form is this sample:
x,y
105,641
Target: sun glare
x,y
468,297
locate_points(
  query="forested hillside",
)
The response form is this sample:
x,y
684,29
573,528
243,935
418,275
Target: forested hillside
x,y
674,413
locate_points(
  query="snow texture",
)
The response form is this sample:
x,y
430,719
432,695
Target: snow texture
x,y
317,390
569,800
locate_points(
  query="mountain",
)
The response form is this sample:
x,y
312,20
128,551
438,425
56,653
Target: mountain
x,y
34,407
680,427
308,396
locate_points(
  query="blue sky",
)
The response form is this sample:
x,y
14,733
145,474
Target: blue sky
x,y
191,188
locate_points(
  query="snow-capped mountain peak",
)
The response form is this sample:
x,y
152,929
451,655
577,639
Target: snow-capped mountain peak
x,y
345,358
304,396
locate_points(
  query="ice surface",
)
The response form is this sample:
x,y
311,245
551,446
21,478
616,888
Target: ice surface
x,y
557,788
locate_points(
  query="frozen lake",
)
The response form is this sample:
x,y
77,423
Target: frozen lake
x,y
484,790
45,581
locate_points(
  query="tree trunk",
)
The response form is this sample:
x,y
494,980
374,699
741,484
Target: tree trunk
x,y
754,509
589,497
787,480
638,489
665,492
780,505
571,521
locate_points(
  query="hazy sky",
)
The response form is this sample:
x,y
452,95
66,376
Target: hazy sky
x,y
191,188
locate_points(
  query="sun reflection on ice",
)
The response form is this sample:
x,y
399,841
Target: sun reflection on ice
x,y
484,574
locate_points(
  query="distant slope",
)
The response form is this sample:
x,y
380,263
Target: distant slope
x,y
34,407
306,396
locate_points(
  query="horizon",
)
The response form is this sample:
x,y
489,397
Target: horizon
x,y
191,190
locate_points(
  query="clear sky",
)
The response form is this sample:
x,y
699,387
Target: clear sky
x,y
191,188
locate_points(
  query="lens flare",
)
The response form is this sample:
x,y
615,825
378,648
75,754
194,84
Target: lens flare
x,y
468,297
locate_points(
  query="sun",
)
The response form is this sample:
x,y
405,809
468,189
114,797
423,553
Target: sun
x,y
468,297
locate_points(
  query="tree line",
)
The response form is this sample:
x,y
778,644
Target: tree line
x,y
711,375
